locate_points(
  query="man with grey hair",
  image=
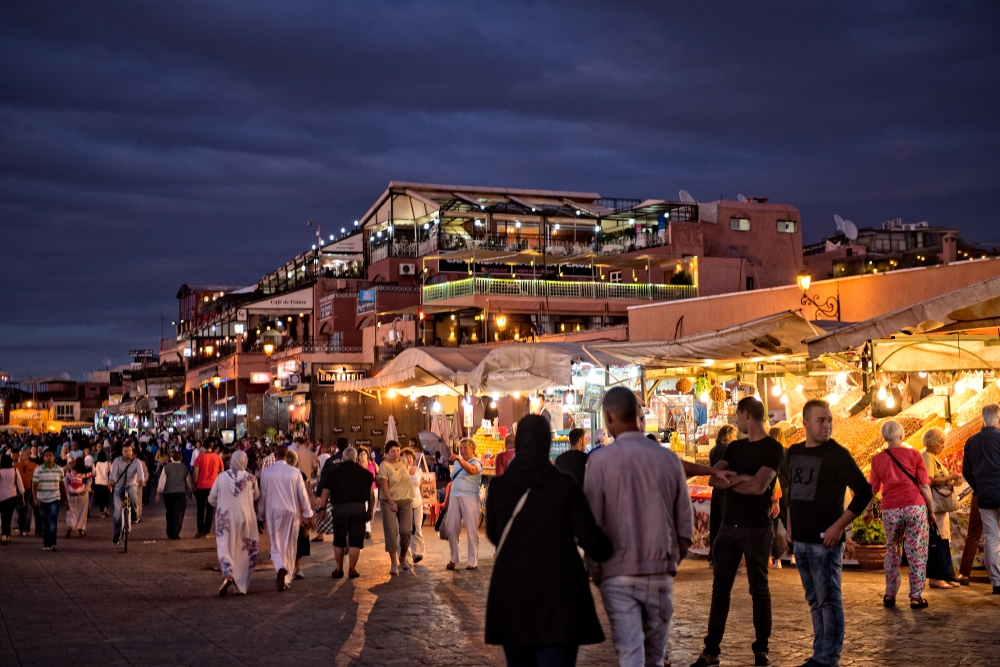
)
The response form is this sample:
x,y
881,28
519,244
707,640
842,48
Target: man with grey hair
x,y
348,487
639,497
981,469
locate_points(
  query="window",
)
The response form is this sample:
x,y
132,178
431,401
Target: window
x,y
749,283
616,276
740,224
63,411
337,340
786,226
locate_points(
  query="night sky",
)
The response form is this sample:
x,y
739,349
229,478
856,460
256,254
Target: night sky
x,y
148,144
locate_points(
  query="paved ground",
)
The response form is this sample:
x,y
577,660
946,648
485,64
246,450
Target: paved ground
x,y
89,604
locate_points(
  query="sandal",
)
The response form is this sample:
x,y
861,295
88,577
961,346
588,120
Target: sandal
x,y
226,583
353,574
394,570
917,602
337,574
888,601
451,566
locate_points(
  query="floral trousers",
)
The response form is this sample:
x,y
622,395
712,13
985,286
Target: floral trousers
x,y
906,526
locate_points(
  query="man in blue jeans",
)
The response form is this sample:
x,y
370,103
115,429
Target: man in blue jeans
x,y
48,490
820,471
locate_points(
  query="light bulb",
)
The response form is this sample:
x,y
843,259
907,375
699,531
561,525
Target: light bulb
x,y
841,377
784,399
392,393
882,393
798,387
703,397
569,399
890,402
493,405
516,394
436,407
922,374
496,396
776,391
960,386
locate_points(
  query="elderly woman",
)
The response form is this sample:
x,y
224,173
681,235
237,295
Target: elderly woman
x,y
941,489
463,502
900,474
78,479
540,607
236,534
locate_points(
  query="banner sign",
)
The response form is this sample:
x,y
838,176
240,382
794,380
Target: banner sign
x,y
593,395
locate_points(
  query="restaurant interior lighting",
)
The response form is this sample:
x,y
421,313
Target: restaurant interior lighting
x,y
841,377
496,396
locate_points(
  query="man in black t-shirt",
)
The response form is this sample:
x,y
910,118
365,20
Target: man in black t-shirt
x,y
819,472
574,462
746,530
348,487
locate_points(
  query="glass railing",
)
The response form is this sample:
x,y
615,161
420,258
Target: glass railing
x,y
557,289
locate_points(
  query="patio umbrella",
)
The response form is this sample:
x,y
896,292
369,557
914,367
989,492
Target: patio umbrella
x,y
433,443
456,424
390,430
437,426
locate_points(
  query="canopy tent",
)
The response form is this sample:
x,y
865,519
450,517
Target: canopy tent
x,y
428,371
937,353
966,307
532,366
776,336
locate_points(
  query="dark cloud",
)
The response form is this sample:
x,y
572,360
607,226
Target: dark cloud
x,y
143,145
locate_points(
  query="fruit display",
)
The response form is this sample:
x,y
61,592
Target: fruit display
x,y
845,403
684,385
862,436
917,439
931,405
718,394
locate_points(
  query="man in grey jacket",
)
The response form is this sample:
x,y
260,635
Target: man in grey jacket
x,y
981,469
638,494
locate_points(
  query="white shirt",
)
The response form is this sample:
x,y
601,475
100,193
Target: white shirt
x,y
282,489
101,469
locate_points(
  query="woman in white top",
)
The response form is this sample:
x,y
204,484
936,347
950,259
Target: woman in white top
x,y
417,542
101,471
11,487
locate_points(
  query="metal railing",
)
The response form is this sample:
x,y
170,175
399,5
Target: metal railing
x,y
314,346
557,289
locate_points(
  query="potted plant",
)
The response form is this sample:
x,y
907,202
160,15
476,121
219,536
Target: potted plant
x,y
869,544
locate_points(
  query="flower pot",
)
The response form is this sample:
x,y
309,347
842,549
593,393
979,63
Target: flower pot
x,y
871,557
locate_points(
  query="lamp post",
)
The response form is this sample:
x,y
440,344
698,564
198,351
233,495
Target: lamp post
x,y
830,307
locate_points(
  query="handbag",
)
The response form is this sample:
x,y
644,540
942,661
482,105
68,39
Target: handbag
x,y
440,526
939,563
944,495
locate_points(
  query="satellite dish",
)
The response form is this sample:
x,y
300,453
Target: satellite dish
x,y
742,198
65,376
840,223
88,376
850,231
107,363
686,197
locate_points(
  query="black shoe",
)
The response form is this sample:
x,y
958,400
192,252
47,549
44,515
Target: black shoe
x,y
417,559
282,573
116,541
761,660
705,660
996,590
812,663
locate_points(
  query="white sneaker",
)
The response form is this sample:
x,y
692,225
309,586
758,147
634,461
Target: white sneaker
x,y
776,565
793,559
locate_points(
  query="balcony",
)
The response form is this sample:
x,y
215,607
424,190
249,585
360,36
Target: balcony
x,y
321,347
556,289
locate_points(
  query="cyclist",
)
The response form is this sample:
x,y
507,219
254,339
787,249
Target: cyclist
x,y
126,477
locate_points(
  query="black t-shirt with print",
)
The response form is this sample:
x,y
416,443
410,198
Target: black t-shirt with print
x,y
747,458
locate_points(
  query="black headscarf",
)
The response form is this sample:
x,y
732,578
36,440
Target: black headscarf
x,y
532,466
6,461
80,466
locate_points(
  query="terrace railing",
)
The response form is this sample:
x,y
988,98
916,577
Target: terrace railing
x,y
556,289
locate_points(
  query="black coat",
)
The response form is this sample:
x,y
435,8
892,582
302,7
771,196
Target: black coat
x,y
539,591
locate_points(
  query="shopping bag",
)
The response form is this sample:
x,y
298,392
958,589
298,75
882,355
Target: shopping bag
x,y
428,483
939,564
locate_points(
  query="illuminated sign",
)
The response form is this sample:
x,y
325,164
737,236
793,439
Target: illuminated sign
x,y
328,377
260,378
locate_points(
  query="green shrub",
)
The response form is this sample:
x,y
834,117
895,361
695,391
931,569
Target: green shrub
x,y
868,533
682,278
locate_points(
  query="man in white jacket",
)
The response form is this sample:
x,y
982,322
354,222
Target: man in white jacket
x,y
284,505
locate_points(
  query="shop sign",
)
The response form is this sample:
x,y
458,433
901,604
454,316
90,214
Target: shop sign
x,y
377,431
241,410
355,429
401,436
363,442
593,395
366,301
329,377
260,378
368,418
141,354
325,310
337,429
299,301
241,314
294,378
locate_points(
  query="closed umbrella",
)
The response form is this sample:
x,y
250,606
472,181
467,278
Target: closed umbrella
x,y
456,424
390,430
437,426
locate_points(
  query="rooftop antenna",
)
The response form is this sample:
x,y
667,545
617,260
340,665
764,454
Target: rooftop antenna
x,y
65,376
88,376
840,223
742,198
850,230
685,197
319,234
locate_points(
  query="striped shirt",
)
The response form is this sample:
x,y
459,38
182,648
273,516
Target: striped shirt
x,y
48,481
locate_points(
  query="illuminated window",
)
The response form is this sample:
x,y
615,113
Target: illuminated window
x,y
740,224
786,226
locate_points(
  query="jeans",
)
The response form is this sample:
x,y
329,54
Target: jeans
x,y
119,500
639,608
24,512
991,526
541,655
820,568
7,508
48,521
176,504
730,546
206,513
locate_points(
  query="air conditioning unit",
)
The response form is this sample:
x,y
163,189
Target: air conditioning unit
x,y
407,269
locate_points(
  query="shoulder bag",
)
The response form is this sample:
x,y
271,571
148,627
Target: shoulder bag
x,y
506,529
944,495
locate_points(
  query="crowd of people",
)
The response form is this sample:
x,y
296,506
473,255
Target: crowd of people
x,y
619,516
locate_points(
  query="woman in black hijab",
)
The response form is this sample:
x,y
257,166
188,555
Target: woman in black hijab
x,y
540,607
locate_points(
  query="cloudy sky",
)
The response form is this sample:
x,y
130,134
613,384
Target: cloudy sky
x,y
148,144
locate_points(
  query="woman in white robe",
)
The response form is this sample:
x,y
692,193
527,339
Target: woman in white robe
x,y
235,524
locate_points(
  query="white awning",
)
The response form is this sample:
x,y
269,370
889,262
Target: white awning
x,y
937,353
775,336
532,366
978,301
428,370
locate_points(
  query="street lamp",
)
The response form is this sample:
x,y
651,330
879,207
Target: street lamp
x,y
830,307
277,383
269,349
216,381
170,392
501,321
